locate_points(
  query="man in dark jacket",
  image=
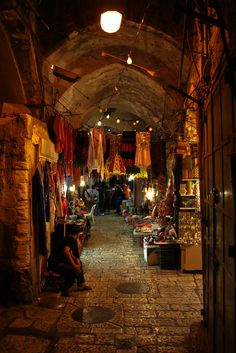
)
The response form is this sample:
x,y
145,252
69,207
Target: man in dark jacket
x,y
66,261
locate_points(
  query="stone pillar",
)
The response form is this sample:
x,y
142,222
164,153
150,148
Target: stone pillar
x,y
15,214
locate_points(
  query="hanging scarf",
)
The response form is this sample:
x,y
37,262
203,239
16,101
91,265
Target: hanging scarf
x,y
100,158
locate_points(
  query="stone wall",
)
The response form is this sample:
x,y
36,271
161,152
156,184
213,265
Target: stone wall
x,y
18,256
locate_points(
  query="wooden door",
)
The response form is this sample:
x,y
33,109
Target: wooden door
x,y
218,209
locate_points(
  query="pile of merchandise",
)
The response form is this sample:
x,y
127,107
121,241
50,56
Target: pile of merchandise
x,y
165,234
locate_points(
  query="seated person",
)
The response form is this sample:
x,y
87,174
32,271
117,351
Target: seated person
x,y
65,260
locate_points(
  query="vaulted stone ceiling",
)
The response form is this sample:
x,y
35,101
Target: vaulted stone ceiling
x,y
106,82
75,42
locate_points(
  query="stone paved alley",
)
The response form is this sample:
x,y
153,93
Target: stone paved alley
x,y
157,318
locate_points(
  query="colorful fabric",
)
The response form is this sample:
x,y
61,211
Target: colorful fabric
x,y
96,135
142,174
114,166
142,155
92,162
58,128
100,158
115,143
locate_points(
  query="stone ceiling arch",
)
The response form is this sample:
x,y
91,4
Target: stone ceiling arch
x,y
141,94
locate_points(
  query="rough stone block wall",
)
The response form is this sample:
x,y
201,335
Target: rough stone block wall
x,y
15,213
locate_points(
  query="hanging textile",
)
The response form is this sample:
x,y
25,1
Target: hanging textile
x,y
115,143
96,134
142,173
38,209
92,162
81,148
59,129
114,166
114,163
97,147
128,149
142,155
100,157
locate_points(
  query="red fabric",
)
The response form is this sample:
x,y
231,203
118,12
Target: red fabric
x,y
58,128
65,206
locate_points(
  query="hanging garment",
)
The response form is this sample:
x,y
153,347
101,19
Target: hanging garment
x,y
59,206
115,143
38,209
96,133
92,162
114,166
59,130
100,158
81,148
46,171
142,155
128,148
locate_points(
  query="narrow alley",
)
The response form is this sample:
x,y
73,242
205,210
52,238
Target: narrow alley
x,y
132,307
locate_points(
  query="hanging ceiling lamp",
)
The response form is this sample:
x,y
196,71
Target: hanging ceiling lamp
x,y
111,15
110,21
129,60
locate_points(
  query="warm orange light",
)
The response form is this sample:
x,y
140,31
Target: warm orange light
x,y
129,60
110,21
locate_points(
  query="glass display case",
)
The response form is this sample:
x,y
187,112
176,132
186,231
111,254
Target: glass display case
x,y
189,225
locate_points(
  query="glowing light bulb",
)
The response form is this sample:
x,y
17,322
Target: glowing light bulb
x,y
137,121
129,60
82,182
118,120
72,188
150,129
110,21
134,123
131,177
108,116
99,123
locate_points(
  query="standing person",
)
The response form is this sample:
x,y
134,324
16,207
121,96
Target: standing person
x,y
88,197
102,190
118,197
127,191
107,201
66,261
95,195
64,206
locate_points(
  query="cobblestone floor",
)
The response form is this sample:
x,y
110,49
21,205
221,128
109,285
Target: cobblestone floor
x,y
158,319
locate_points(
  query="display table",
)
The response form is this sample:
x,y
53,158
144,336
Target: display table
x,y
191,257
138,236
165,255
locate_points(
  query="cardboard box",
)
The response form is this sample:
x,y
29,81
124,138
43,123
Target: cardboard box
x,y
191,257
